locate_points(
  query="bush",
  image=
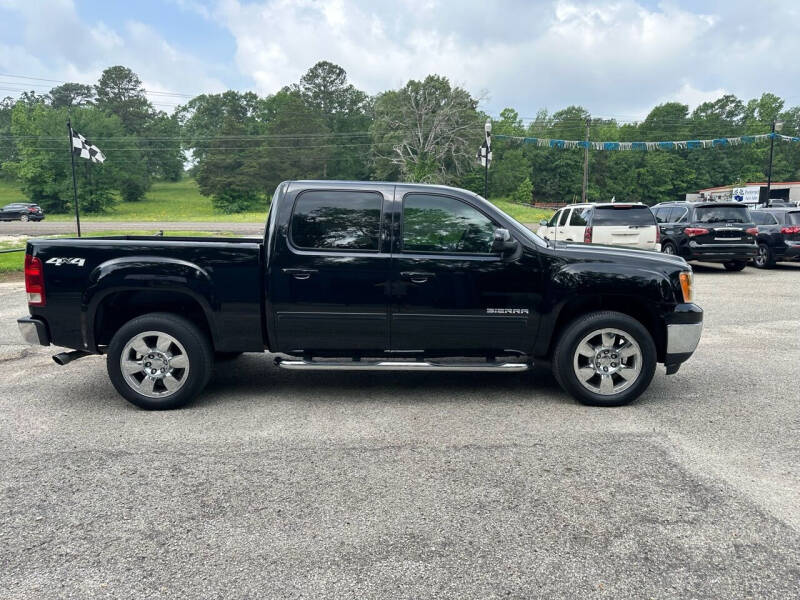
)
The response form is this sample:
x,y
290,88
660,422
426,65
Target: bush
x,y
524,192
231,200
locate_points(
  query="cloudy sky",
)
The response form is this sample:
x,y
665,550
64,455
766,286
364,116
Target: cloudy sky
x,y
615,57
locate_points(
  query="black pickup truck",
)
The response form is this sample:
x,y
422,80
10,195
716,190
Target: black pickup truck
x,y
364,276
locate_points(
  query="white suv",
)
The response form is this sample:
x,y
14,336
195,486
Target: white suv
x,y
631,225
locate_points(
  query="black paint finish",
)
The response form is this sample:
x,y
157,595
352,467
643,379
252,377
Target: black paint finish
x,y
255,294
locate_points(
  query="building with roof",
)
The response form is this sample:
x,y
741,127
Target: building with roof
x,y
749,193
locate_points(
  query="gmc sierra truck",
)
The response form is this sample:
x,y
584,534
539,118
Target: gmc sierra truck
x,y
364,276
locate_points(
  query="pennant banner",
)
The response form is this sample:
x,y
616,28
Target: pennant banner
x,y
648,146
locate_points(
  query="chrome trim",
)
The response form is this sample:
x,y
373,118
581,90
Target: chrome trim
x,y
683,338
387,365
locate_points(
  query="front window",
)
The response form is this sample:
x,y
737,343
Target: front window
x,y
442,224
554,219
332,220
722,214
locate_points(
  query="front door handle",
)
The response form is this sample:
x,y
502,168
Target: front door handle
x,y
417,276
300,274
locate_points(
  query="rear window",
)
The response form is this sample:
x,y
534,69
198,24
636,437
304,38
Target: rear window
x,y
762,218
622,215
793,218
722,214
329,220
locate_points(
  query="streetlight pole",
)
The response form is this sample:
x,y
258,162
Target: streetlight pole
x,y
776,126
585,164
488,133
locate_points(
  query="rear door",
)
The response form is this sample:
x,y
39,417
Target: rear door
x,y
632,226
329,272
451,293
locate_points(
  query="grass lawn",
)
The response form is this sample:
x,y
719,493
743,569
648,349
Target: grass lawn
x,y
182,201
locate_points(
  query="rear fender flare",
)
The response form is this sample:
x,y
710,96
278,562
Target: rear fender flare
x,y
146,273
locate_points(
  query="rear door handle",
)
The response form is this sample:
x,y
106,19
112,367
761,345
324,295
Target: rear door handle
x,y
417,276
300,274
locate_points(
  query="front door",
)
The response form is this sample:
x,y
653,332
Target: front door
x,y
450,293
329,273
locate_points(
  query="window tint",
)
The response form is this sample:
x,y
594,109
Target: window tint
x,y
564,217
660,213
793,218
578,217
337,220
722,214
679,214
622,215
762,218
442,224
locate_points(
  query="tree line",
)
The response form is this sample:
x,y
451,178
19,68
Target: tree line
x,y
239,145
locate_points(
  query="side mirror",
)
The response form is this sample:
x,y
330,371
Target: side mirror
x,y
503,242
543,222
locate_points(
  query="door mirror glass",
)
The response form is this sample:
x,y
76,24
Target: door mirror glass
x,y
543,223
503,242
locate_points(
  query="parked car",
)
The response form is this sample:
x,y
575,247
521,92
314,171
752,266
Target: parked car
x,y
21,211
614,224
778,236
378,276
721,232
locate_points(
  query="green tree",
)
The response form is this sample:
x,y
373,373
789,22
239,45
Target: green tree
x,y
427,131
120,92
71,94
524,192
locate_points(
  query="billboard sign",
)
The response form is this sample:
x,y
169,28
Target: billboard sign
x,y
746,195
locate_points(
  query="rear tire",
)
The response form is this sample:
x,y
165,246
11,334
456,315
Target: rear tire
x,y
605,359
669,248
765,259
174,350
23,218
735,265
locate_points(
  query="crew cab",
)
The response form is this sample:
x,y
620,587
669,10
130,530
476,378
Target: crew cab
x,y
617,224
778,236
364,276
721,232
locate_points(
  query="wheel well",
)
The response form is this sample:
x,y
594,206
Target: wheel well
x,y
631,306
120,307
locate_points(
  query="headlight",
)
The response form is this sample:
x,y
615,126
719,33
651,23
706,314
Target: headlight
x,y
687,285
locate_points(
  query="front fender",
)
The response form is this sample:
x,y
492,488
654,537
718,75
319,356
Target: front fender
x,y
146,273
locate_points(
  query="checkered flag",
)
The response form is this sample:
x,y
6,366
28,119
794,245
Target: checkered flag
x,y
485,151
84,148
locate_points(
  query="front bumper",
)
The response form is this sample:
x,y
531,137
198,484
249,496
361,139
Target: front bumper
x,y
684,328
34,331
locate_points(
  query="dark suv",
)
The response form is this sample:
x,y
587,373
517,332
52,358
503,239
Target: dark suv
x,y
721,232
778,235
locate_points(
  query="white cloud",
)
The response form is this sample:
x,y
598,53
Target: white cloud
x,y
615,57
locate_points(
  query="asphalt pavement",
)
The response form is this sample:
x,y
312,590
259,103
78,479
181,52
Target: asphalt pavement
x,y
284,484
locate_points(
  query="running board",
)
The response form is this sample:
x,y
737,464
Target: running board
x,y
387,365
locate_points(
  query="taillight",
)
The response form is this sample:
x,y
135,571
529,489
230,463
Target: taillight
x,y
791,229
587,235
658,234
752,231
34,281
694,231
32,209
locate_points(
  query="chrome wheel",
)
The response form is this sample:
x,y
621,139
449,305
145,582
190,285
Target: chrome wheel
x,y
23,218
154,364
607,361
668,249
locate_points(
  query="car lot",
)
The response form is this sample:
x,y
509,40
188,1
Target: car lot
x,y
290,484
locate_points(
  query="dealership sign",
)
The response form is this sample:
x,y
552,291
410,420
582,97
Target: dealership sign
x,y
747,195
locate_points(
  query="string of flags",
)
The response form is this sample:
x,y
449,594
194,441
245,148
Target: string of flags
x,y
647,146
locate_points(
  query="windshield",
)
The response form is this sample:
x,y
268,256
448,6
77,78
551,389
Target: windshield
x,y
623,215
793,218
722,214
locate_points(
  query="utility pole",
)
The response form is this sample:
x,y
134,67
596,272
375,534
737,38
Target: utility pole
x,y
776,126
585,164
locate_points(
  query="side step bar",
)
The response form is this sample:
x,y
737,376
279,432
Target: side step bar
x,y
388,365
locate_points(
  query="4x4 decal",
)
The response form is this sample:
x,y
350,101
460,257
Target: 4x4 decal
x,y
78,262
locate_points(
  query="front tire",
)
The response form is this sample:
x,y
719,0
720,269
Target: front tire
x,y
605,359
159,361
735,265
669,248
